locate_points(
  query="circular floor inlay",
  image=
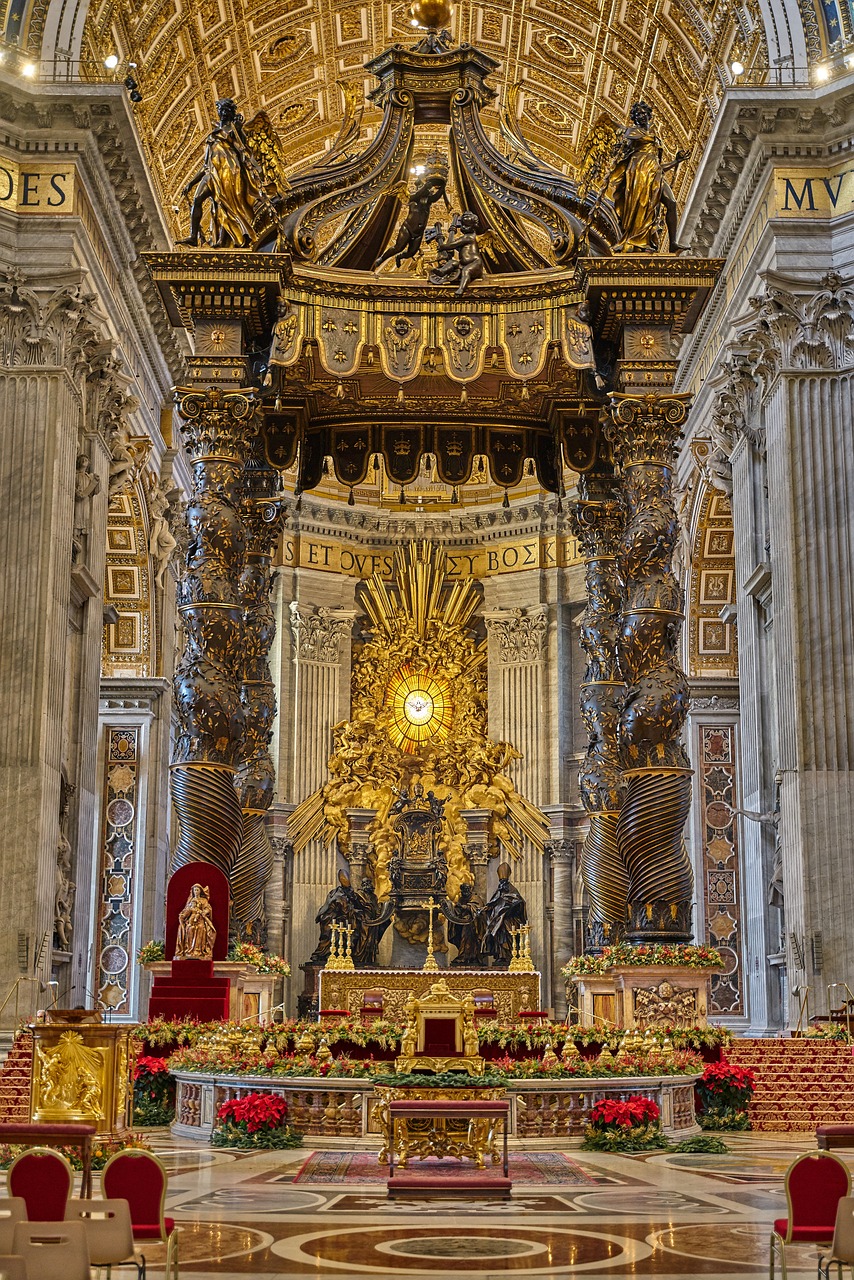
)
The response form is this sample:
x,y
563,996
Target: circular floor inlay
x,y
746,1245
462,1247
441,1250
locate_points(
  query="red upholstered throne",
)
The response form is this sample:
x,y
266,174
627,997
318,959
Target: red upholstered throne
x,y
191,990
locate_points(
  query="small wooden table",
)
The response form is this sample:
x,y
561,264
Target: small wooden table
x,y
446,1109
56,1135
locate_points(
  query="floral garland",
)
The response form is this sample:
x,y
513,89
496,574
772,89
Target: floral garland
x,y
626,955
151,952
259,960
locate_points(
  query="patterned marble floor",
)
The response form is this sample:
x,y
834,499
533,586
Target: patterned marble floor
x,y
664,1214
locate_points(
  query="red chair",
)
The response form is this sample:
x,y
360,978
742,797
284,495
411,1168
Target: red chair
x,y
140,1178
43,1179
815,1184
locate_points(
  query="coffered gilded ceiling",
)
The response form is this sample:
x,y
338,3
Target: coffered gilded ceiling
x,y
288,58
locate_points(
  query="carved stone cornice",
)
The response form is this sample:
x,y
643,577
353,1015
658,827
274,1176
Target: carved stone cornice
x,y
318,633
521,633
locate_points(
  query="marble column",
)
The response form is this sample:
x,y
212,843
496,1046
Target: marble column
x,y
797,585
644,434
562,855
598,524
263,518
48,334
217,426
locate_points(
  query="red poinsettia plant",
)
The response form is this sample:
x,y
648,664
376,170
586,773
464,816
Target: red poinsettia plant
x,y
624,1124
614,1113
153,1092
723,1095
254,1120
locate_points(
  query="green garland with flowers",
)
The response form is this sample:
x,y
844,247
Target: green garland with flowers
x,y
627,955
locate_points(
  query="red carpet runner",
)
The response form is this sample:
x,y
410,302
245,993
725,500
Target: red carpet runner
x,y
799,1083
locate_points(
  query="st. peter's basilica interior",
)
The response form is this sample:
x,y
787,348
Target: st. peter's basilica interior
x,y
426,616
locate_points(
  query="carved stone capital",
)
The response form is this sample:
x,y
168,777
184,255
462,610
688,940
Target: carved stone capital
x,y
56,328
521,633
215,424
794,328
646,428
283,848
317,633
561,851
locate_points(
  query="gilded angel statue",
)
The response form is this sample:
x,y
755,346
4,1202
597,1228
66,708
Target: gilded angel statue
x,y
641,190
241,174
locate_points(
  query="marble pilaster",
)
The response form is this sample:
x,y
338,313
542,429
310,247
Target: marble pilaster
x,y
320,672
520,714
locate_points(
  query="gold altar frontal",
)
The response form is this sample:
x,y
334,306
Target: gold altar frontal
x,y
82,1074
511,993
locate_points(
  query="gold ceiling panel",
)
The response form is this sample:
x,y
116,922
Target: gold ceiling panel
x,y
576,59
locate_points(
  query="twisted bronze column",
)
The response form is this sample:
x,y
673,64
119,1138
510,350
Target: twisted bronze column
x,y
644,433
597,521
216,425
263,517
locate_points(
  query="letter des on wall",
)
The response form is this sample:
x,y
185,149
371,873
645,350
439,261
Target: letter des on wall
x,y
36,187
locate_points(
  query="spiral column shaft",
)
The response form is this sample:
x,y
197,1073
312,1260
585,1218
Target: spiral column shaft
x,y
597,523
263,516
216,426
644,433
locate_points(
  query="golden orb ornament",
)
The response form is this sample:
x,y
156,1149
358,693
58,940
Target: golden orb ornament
x,y
432,14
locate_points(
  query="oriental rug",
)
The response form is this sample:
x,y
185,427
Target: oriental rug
x,y
529,1168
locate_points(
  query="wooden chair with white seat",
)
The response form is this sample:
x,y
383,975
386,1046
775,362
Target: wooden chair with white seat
x,y
842,1249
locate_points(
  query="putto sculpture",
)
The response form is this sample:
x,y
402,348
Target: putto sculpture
x,y
428,190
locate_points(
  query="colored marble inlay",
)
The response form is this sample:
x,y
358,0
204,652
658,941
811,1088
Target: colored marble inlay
x,y
718,798
117,872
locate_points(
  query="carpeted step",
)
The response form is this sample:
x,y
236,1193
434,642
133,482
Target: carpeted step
x,y
799,1083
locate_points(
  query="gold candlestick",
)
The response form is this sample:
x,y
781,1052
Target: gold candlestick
x,y
430,964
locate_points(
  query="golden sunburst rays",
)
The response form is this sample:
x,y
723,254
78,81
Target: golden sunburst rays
x,y
422,709
419,713
422,601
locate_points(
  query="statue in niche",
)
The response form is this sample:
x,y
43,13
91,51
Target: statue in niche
x,y
123,463
196,931
467,266
161,541
342,906
65,888
86,485
465,928
641,192
228,181
410,234
505,910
